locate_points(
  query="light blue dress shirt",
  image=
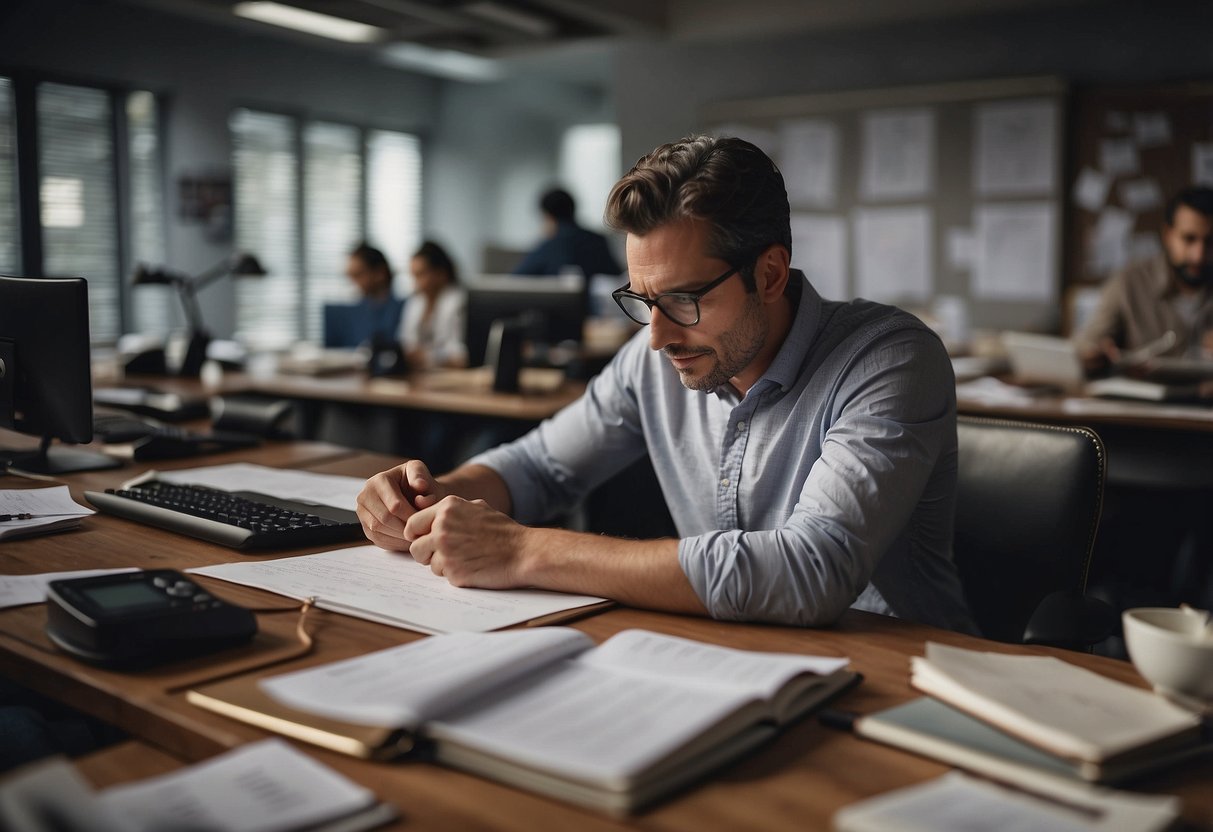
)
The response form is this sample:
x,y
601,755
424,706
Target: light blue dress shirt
x,y
830,484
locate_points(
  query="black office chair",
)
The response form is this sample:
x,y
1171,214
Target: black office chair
x,y
1028,501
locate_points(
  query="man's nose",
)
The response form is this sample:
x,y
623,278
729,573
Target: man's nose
x,y
662,331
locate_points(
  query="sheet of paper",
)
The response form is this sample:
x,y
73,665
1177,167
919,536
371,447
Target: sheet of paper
x,y
1202,163
819,246
1015,251
16,590
898,154
1118,157
1091,189
391,588
55,501
1016,147
1108,246
304,486
1140,195
1152,129
809,161
962,248
265,786
406,685
893,253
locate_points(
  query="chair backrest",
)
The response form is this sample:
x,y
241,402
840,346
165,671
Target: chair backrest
x,y
1028,500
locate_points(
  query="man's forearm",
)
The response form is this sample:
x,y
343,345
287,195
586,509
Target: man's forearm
x,y
639,573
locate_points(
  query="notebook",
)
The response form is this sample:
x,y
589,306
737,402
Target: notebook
x,y
1044,359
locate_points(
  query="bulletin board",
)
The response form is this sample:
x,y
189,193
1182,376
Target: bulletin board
x,y
1132,147
943,199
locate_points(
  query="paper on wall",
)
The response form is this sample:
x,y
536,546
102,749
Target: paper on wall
x,y
1152,129
1091,189
1015,251
1016,147
1118,157
1140,195
962,248
809,159
1202,163
819,246
1108,246
898,154
893,253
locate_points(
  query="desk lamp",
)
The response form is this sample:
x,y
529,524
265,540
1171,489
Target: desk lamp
x,y
241,264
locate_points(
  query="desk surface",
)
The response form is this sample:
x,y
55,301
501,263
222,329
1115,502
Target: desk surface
x,y
796,782
1097,413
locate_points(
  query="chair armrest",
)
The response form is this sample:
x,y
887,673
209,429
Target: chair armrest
x,y
1068,619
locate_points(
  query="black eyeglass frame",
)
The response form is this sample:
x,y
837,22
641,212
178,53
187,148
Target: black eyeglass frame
x,y
624,292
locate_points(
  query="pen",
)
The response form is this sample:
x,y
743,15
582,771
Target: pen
x,y
25,516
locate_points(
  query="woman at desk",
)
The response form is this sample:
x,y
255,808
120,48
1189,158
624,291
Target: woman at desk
x,y
433,325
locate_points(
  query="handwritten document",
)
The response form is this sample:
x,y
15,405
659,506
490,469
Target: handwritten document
x,y
305,486
1015,245
1016,147
392,588
898,154
893,253
52,509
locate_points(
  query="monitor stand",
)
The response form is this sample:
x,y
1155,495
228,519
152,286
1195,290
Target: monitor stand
x,y
57,460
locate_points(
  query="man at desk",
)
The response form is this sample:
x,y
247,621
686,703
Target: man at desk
x,y
1170,292
566,243
806,448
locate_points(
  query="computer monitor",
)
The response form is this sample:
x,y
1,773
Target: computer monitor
x,y
46,387
554,309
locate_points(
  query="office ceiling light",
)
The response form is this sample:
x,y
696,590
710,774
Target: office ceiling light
x,y
445,63
511,18
314,23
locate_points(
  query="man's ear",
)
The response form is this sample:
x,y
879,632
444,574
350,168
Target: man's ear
x,y
771,272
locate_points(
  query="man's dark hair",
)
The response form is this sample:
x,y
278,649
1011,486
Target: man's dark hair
x,y
558,204
726,182
372,257
437,258
1198,198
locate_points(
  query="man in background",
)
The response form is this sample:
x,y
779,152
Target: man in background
x,y
1171,292
566,243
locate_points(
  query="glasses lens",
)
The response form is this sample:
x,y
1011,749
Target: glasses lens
x,y
634,308
681,309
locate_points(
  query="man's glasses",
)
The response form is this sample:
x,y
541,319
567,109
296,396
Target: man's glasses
x,y
680,307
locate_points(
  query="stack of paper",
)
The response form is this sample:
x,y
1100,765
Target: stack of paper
x,y
30,511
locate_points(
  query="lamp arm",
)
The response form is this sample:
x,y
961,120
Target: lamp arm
x,y
212,274
189,302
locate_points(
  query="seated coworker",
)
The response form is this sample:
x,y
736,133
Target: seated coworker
x,y
434,321
806,448
567,243
376,316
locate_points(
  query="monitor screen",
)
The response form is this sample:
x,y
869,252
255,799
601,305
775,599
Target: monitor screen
x,y
554,309
46,383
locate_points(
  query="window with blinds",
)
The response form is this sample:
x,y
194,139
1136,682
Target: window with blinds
x,y
332,216
266,169
10,228
77,199
155,309
301,205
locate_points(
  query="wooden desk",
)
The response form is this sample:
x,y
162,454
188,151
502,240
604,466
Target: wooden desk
x,y
796,782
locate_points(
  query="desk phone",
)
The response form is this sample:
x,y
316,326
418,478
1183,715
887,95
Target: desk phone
x,y
141,618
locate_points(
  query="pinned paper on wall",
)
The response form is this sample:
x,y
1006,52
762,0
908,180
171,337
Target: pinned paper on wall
x,y
1015,257
1016,147
1144,245
1116,121
893,253
1202,163
1108,246
819,246
962,248
1140,195
1152,129
1091,189
1118,157
809,160
766,140
898,154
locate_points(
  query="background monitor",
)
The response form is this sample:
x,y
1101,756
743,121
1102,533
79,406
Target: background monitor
x,y
554,309
46,387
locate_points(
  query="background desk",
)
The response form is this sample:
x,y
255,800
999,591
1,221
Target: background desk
x,y
796,782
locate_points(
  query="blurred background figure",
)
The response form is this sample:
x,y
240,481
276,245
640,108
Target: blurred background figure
x,y
375,317
432,330
566,243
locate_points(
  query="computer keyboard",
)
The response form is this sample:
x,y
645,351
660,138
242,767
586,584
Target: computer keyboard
x,y
241,520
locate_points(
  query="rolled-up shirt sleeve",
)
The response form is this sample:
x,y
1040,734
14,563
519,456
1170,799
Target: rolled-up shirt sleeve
x,y
887,434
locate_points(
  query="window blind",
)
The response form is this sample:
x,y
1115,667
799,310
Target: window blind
x,y
77,199
155,308
394,197
266,197
332,216
10,229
